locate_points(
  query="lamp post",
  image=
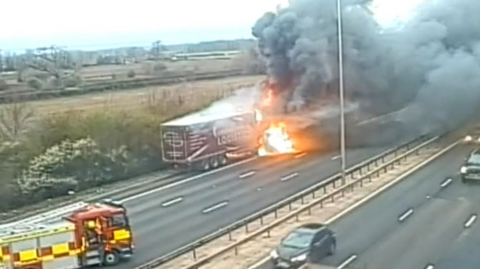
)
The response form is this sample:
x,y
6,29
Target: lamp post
x,y
341,91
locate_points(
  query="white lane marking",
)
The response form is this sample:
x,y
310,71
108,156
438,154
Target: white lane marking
x,y
391,183
405,215
347,262
172,202
373,195
247,174
292,175
181,182
336,157
446,183
470,221
215,207
430,266
300,155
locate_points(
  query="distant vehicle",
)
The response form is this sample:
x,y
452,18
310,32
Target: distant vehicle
x,y
206,141
99,234
471,168
310,242
473,137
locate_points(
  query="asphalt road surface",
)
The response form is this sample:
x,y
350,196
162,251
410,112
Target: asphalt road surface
x,y
166,220
433,235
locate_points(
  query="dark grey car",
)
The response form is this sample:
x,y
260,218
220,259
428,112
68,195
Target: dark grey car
x,y
309,242
470,171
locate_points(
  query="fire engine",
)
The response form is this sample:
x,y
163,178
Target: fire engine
x,y
94,235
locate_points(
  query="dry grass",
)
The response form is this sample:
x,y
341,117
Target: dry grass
x,y
140,98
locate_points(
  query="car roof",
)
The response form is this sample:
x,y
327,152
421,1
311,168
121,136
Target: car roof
x,y
310,228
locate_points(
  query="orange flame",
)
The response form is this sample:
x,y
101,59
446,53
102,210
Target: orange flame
x,y
268,100
275,140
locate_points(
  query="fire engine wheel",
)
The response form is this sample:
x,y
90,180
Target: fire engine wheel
x,y
111,258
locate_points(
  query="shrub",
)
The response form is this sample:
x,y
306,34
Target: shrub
x,y
54,83
73,81
131,74
35,83
71,165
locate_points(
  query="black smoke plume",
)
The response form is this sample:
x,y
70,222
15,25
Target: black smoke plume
x,y
431,65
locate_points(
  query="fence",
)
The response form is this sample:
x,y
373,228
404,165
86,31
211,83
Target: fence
x,y
363,171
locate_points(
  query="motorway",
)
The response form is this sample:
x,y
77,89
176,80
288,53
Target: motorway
x,y
168,219
440,233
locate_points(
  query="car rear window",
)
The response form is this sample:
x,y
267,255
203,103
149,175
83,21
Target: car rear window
x,y
298,239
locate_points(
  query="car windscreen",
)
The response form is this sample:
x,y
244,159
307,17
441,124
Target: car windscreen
x,y
474,159
298,239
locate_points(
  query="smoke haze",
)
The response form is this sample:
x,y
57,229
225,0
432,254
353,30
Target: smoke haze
x,y
431,64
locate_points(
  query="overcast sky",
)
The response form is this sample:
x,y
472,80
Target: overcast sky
x,y
88,23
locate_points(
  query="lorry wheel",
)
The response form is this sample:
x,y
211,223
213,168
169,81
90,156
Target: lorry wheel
x,y
205,165
223,160
214,162
111,258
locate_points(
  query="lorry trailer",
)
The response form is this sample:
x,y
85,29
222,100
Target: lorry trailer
x,y
205,141
96,235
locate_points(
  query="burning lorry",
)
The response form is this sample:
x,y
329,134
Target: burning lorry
x,y
206,141
97,234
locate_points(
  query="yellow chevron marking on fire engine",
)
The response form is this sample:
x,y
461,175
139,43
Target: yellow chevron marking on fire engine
x,y
28,255
60,249
121,234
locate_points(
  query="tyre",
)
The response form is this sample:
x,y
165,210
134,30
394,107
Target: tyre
x,y
205,165
464,180
223,160
214,162
111,258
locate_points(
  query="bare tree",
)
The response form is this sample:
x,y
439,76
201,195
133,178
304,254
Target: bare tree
x,y
157,48
52,60
14,119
